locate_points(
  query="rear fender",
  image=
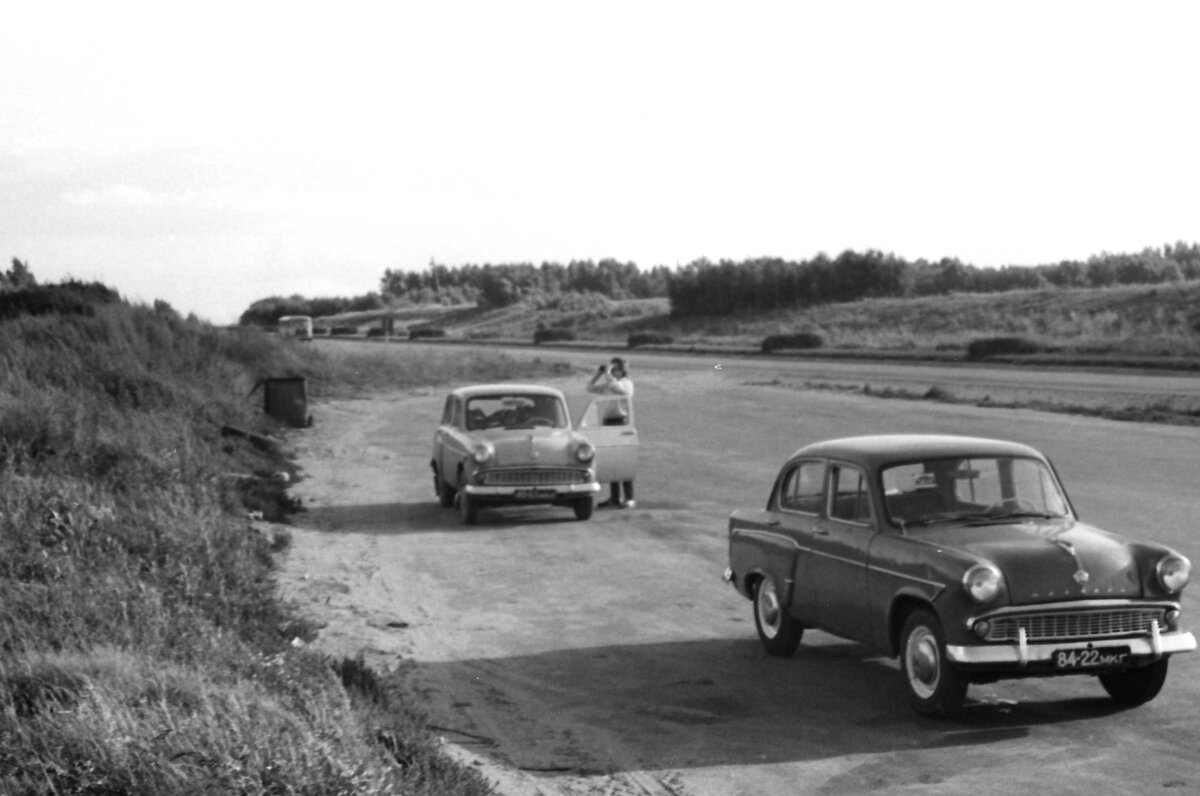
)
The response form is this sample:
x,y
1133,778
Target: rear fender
x,y
755,552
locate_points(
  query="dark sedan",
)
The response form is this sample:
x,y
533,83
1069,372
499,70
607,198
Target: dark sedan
x,y
965,558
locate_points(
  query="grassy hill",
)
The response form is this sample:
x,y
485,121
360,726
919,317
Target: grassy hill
x,y
1152,321
143,646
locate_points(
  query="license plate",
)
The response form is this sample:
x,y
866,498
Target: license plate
x,y
534,493
1090,657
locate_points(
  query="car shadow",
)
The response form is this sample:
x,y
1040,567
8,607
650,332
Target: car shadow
x,y
712,702
402,519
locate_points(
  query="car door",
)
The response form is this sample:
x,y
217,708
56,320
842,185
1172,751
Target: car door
x,y
447,450
609,424
840,552
796,514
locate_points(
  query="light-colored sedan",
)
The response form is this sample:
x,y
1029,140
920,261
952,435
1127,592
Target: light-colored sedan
x,y
510,444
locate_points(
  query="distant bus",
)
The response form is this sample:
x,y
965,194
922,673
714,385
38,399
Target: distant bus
x,y
300,326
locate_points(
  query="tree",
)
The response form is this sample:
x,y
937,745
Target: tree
x,y
496,290
18,277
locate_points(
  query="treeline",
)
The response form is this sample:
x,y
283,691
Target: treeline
x,y
485,285
268,311
501,285
727,287
730,288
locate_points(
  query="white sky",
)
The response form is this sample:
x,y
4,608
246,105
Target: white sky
x,y
212,155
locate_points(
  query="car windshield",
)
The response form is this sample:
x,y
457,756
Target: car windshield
x,y
515,411
983,490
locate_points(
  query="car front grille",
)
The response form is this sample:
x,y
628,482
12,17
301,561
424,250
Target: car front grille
x,y
1062,625
542,476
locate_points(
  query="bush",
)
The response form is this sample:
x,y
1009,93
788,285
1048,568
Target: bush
x,y
425,332
649,338
779,342
986,347
552,336
68,298
344,330
376,331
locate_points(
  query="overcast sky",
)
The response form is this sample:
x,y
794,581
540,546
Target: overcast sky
x,y
210,155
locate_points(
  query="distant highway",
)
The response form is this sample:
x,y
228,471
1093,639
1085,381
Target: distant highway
x,y
1119,385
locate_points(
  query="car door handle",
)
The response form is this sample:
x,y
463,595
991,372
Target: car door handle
x,y
773,521
628,433
821,530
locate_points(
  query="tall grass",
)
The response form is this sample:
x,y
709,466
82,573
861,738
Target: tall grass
x,y
143,647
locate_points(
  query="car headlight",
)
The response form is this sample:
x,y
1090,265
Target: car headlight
x,y
1173,572
482,454
982,582
585,452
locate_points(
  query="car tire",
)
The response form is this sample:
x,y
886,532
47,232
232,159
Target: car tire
x,y
1135,686
584,507
468,508
935,688
445,492
778,631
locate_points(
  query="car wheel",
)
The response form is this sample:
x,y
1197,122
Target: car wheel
x,y
779,632
468,507
1135,686
583,508
935,688
445,492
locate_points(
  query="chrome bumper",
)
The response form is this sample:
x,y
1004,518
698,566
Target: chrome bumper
x,y
557,490
1021,654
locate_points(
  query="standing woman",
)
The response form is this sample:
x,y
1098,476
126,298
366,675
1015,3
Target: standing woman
x,y
613,379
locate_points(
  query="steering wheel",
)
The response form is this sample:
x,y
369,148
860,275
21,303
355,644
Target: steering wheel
x,y
1010,505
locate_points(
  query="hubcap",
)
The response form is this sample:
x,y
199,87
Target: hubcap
x,y
923,662
768,608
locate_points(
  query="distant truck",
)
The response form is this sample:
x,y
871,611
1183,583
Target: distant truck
x,y
299,326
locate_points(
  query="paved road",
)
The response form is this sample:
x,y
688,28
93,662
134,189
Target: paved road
x,y
917,377
608,657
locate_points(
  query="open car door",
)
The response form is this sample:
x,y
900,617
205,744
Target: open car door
x,y
608,424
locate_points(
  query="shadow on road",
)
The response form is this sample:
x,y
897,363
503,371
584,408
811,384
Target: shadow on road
x,y
426,517
704,703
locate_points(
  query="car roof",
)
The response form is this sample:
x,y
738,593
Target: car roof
x,y
474,390
880,449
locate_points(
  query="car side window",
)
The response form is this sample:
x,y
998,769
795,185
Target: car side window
x,y
803,487
851,500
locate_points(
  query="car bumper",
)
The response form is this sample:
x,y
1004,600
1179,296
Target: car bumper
x,y
540,492
1142,650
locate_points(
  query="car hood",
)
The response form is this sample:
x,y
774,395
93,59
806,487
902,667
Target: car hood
x,y
1050,560
530,446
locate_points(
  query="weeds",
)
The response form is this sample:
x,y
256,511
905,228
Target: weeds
x,y
143,648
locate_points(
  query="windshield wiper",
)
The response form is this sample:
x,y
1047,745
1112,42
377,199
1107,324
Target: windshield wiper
x,y
923,521
997,519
